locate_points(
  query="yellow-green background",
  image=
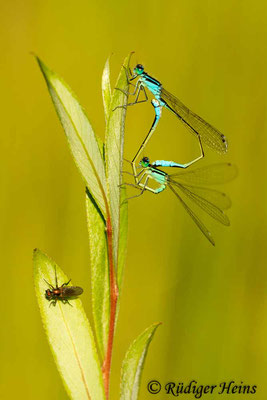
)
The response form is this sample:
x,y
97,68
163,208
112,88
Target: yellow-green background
x,y
212,301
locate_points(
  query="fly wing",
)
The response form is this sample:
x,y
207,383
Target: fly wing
x,y
206,205
72,291
198,126
209,175
197,221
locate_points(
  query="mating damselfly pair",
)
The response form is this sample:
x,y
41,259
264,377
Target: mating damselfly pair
x,y
186,183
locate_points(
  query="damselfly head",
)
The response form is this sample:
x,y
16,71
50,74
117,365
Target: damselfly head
x,y
138,69
144,162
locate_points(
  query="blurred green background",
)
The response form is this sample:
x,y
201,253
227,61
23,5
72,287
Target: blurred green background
x,y
213,56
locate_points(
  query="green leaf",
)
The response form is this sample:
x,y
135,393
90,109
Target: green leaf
x,y
106,89
81,138
99,272
133,364
114,151
69,335
123,236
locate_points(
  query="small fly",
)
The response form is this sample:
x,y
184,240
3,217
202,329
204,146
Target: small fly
x,y
63,293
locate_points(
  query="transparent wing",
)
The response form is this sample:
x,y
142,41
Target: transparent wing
x,y
198,126
72,291
206,205
197,221
209,175
219,199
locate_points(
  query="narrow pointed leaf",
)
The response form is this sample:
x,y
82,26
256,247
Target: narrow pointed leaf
x,y
69,335
81,138
133,364
99,272
123,235
106,89
114,151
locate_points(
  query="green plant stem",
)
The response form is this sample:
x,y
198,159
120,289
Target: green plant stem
x,y
113,305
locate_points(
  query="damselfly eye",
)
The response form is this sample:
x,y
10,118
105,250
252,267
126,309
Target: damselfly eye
x,y
144,162
139,69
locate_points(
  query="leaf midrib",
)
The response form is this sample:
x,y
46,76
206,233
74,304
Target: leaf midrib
x,y
75,353
83,145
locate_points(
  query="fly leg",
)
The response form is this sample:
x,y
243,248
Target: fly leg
x,y
66,301
56,277
66,284
49,284
53,302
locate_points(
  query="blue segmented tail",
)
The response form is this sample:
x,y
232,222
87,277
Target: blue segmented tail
x,y
163,163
